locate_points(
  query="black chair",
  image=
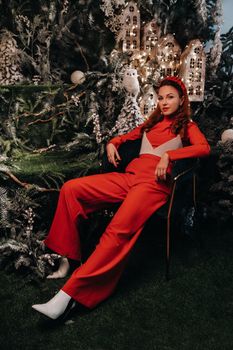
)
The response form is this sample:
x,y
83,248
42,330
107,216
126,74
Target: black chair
x,y
181,201
183,191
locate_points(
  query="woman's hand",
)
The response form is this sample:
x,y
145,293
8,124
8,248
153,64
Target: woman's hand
x,y
112,154
161,169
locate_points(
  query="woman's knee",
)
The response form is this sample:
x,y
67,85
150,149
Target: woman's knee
x,y
70,185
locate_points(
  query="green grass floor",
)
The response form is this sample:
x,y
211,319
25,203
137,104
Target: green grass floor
x,y
192,311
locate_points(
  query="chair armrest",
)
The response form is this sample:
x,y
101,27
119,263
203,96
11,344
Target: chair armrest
x,y
184,169
183,174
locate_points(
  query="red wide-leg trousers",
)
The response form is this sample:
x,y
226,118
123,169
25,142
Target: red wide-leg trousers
x,y
96,279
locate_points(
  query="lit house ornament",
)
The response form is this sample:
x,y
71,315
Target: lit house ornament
x,y
167,53
151,35
131,27
148,101
192,70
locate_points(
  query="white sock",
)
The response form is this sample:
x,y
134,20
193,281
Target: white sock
x,y
62,270
55,306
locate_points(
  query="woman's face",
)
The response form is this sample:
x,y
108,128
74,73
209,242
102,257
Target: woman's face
x,y
169,100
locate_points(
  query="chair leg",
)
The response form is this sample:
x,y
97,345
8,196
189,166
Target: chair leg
x,y
169,231
168,250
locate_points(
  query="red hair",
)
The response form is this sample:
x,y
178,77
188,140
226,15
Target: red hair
x,y
181,117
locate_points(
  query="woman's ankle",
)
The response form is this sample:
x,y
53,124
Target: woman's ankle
x,y
63,269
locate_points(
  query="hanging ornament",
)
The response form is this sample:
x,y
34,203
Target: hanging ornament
x,y
77,77
227,135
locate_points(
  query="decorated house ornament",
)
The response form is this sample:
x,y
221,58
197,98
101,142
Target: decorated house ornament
x,y
192,70
167,54
130,32
151,35
77,77
148,101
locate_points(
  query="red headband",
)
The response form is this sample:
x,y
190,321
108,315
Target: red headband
x,y
177,81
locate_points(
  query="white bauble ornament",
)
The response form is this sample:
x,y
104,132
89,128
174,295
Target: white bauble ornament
x,y
77,77
227,135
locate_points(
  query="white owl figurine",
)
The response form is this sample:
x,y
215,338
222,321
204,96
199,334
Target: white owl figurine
x,y
130,82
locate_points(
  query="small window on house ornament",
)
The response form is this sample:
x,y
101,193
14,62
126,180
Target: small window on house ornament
x,y
131,9
199,63
176,59
134,44
128,20
198,90
170,45
135,20
198,78
191,76
162,72
197,50
146,109
190,90
192,63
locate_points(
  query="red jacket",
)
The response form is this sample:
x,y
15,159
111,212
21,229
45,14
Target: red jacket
x,y
197,145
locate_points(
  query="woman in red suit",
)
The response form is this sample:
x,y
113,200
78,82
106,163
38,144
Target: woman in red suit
x,y
168,135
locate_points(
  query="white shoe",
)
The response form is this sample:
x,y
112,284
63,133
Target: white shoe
x,y
59,306
62,271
